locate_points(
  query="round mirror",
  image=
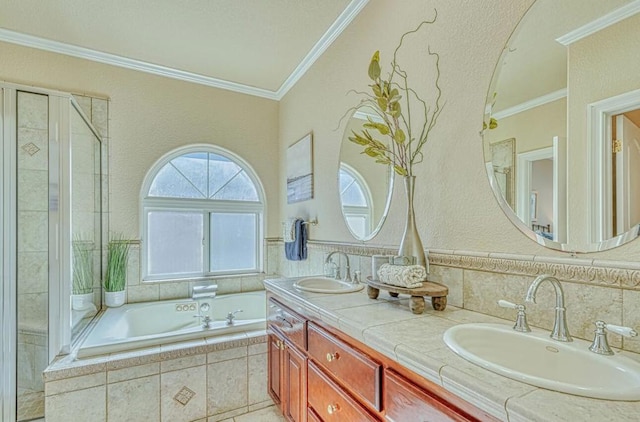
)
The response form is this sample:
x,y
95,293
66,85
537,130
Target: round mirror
x,y
364,186
561,132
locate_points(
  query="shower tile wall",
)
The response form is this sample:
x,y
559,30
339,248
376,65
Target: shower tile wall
x,y
32,213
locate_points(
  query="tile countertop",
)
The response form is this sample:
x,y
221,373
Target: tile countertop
x,y
387,325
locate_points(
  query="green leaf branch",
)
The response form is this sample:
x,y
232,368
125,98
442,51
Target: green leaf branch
x,y
391,99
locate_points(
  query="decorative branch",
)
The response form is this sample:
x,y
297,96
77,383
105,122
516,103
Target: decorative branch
x,y
404,150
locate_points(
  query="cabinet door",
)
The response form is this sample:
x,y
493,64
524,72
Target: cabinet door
x,y
275,376
406,402
295,385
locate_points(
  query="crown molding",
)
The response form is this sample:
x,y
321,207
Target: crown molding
x,y
345,18
600,23
527,105
127,63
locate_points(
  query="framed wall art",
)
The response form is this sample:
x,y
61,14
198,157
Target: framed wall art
x,y
300,170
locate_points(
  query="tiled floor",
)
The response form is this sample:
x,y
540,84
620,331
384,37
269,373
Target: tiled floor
x,y
268,414
30,405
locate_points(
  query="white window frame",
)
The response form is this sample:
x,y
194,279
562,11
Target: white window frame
x,y
206,207
365,211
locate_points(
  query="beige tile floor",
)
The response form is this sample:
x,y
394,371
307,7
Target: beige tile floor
x,y
268,414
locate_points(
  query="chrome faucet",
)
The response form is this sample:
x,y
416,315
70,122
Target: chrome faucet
x,y
560,331
347,266
206,319
231,316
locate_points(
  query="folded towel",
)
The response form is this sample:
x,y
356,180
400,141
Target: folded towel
x,y
289,229
409,276
297,249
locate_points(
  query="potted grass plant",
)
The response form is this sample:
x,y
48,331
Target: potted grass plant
x,y
116,275
82,286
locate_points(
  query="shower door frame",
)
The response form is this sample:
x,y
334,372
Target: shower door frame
x,y
8,261
59,233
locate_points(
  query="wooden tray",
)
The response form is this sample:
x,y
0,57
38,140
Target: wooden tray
x,y
436,291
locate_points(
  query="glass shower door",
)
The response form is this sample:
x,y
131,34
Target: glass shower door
x,y
32,206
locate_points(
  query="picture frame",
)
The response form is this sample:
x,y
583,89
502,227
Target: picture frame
x,y
300,170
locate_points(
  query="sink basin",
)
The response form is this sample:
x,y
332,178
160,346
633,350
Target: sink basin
x,y
326,285
536,359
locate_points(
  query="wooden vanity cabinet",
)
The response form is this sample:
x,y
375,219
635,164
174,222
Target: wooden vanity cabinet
x,y
287,361
318,374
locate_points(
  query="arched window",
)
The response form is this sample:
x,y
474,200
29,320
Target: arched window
x,y
202,215
357,205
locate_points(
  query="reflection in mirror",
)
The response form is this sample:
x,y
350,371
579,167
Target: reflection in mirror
x,y
564,94
365,187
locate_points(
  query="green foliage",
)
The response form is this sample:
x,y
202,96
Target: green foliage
x,y
117,258
82,266
392,101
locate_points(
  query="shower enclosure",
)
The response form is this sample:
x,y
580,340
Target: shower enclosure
x,y
51,246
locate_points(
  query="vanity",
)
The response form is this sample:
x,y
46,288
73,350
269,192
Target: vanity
x,y
347,357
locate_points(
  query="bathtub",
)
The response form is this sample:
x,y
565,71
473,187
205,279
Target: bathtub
x,y
146,324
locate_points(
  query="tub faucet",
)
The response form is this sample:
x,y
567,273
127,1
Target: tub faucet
x,y
206,319
347,276
560,331
231,316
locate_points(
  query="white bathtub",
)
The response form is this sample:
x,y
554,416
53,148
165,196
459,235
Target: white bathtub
x,y
136,325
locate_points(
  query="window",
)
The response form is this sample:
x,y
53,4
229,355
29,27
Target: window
x,y
202,213
356,201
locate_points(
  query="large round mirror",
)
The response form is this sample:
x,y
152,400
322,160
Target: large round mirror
x,y
364,186
562,124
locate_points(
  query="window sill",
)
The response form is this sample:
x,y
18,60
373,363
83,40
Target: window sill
x,y
199,279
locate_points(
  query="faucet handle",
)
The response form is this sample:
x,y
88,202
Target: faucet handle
x,y
600,344
521,324
618,329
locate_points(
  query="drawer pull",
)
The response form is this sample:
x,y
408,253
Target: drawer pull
x,y
333,408
284,320
332,356
280,344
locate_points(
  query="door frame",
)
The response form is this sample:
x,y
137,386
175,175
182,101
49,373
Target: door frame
x,y
600,157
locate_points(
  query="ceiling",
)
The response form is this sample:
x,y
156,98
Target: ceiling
x,y
259,47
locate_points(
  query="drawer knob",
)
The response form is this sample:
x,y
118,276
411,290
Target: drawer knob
x,y
332,356
333,408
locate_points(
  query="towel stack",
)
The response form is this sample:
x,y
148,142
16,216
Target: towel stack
x,y
408,276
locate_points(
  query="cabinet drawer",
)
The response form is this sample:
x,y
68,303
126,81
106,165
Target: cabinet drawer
x,y
292,325
329,402
405,401
355,370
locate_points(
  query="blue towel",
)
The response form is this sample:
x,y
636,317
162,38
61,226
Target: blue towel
x,y
297,250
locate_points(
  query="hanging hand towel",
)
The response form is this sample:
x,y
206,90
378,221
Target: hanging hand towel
x,y
297,249
289,230
409,276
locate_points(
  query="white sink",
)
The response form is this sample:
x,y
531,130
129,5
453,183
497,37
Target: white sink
x,y
536,359
326,285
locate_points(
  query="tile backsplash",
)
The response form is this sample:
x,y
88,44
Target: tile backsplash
x,y
594,289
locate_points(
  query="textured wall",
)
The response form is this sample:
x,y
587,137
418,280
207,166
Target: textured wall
x,y
455,206
152,115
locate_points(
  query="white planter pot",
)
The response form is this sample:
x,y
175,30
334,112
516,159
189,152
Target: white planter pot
x,y
82,302
114,299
